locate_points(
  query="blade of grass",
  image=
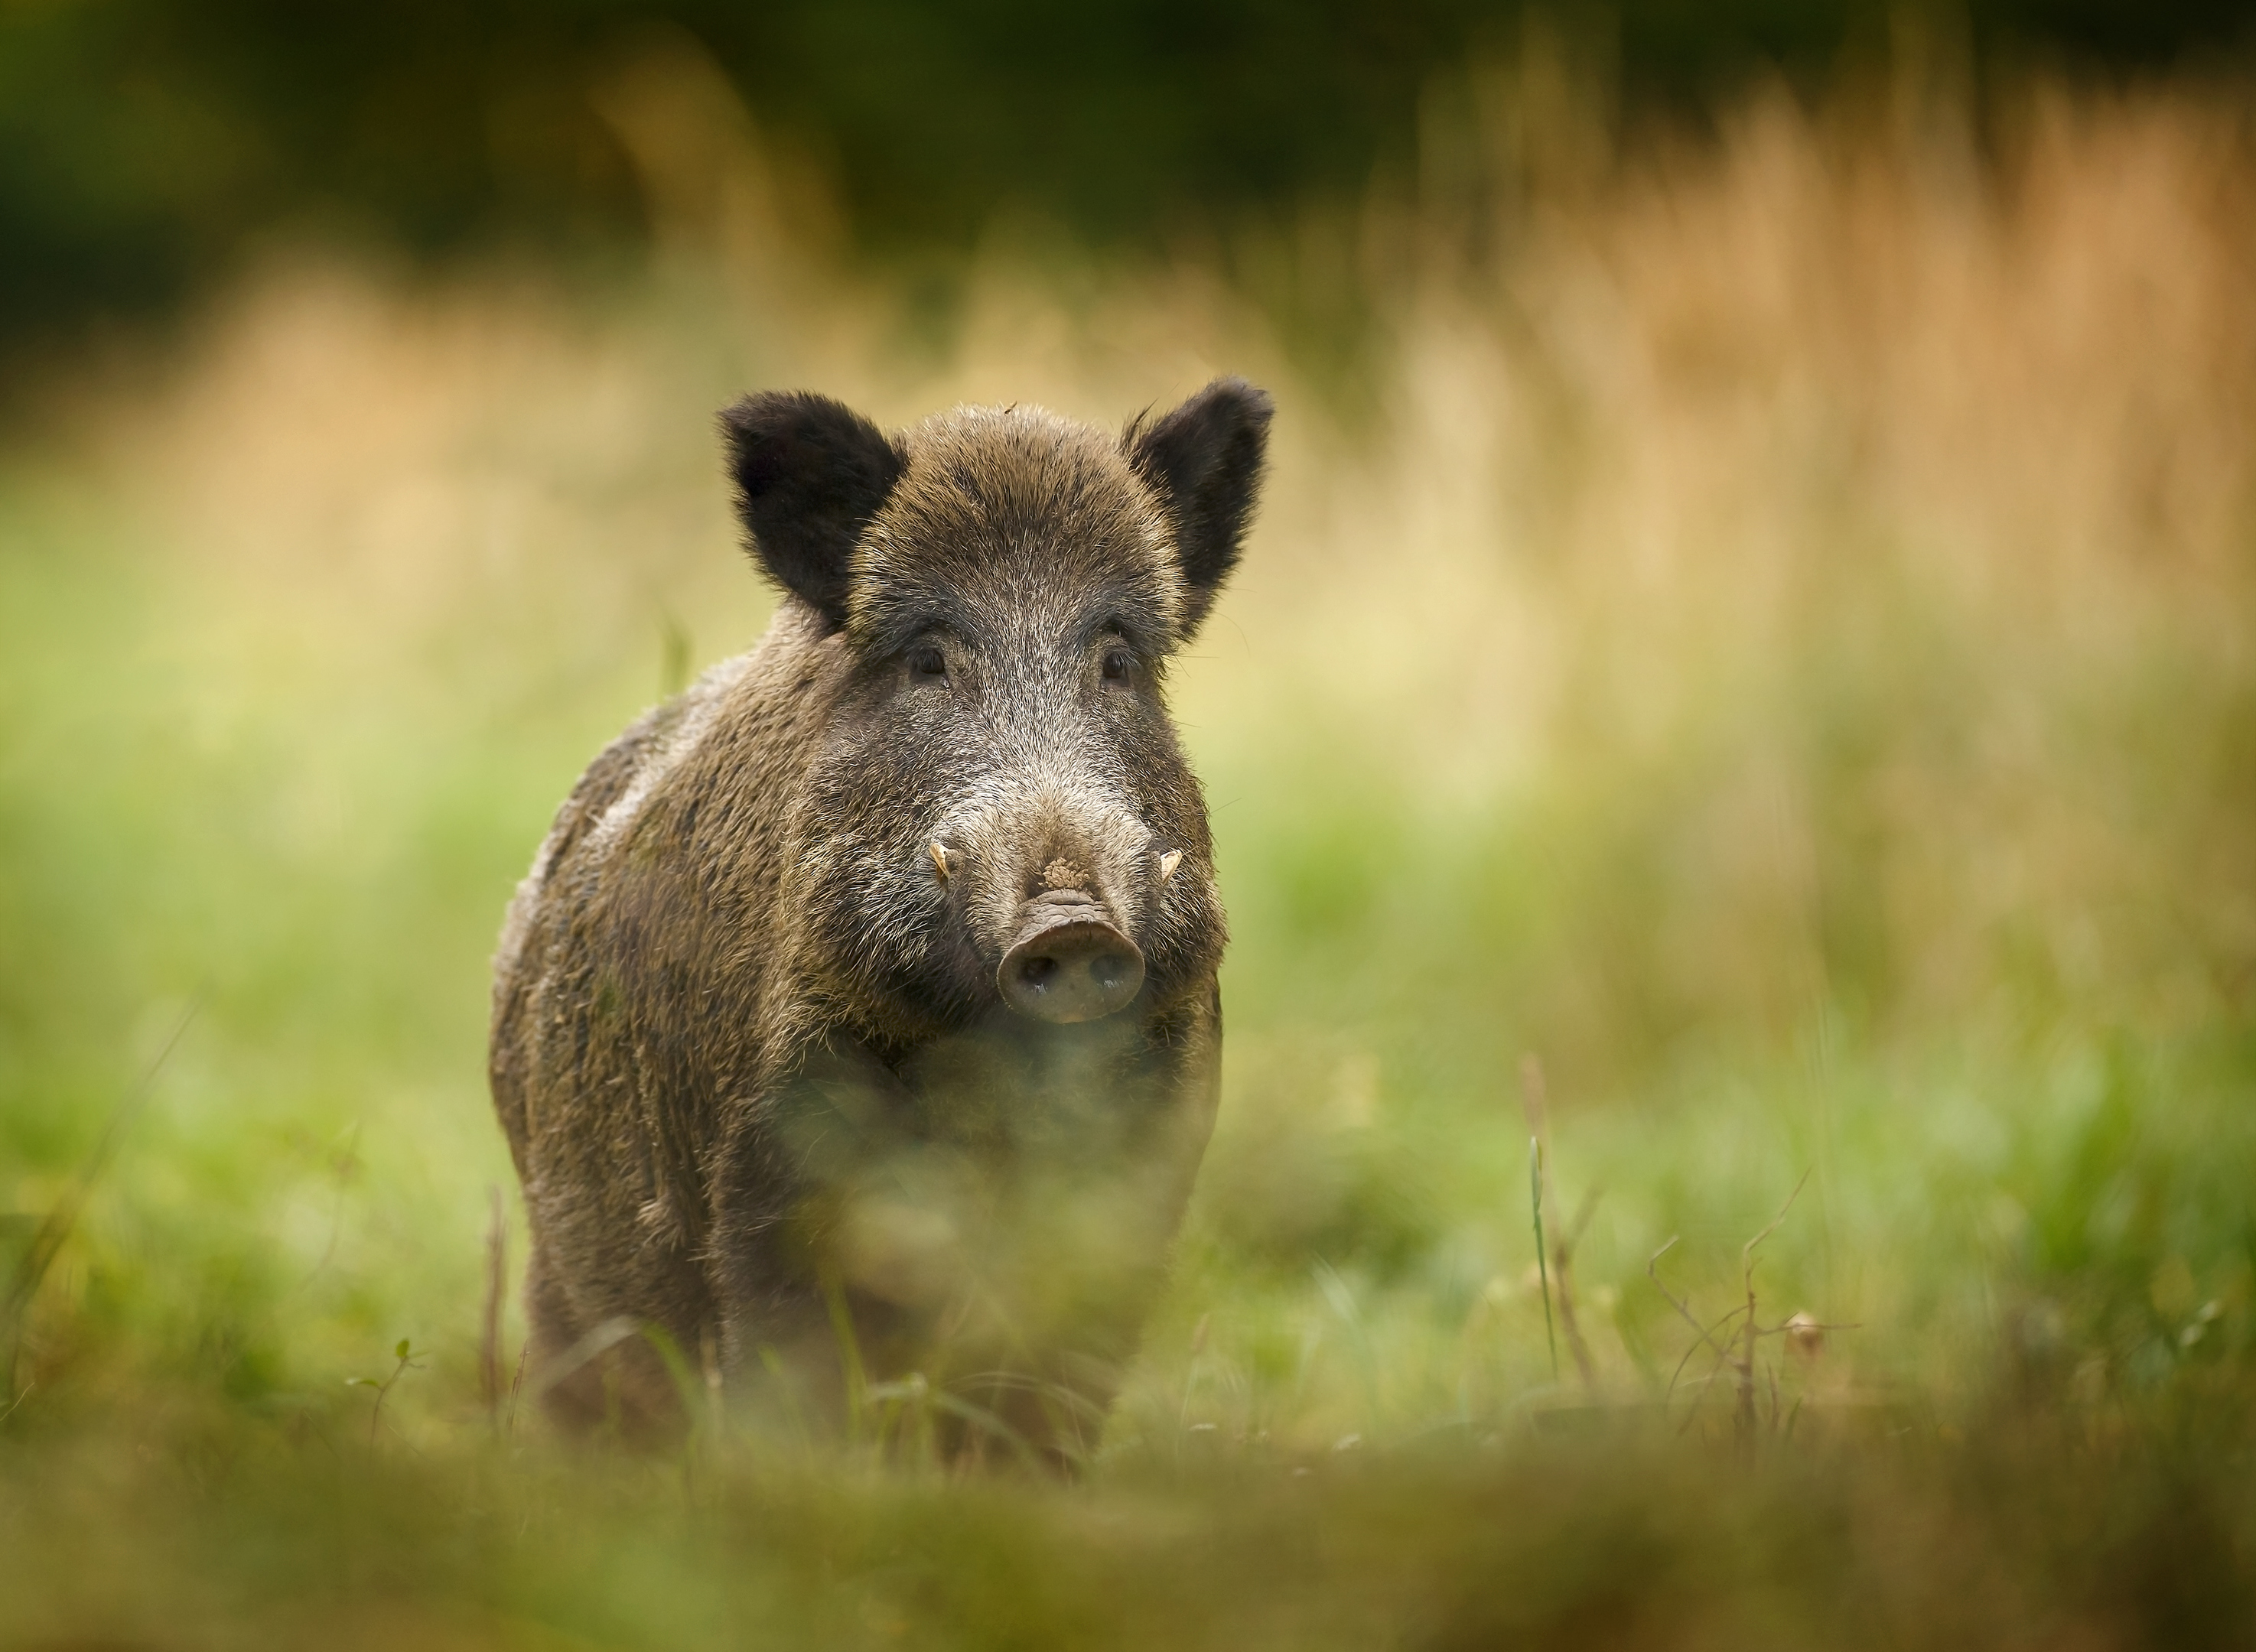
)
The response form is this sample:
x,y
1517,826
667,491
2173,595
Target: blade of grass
x,y
1542,1262
62,1218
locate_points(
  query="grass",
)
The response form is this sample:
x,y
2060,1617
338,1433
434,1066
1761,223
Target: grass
x,y
1765,632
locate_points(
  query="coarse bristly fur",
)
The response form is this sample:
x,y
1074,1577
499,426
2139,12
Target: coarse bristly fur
x,y
749,1046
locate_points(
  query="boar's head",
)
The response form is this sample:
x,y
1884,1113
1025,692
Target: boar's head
x,y
1001,822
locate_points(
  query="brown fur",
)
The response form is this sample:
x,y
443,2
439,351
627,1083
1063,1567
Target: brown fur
x,y
747,1042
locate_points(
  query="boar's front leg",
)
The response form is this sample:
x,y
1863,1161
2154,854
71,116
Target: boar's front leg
x,y
790,1174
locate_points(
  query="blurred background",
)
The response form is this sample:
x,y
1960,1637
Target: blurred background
x,y
1749,647
149,150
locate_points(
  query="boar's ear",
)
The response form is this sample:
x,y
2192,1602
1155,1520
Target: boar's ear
x,y
810,473
1204,460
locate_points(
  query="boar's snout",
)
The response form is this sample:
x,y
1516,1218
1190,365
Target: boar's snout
x,y
1069,963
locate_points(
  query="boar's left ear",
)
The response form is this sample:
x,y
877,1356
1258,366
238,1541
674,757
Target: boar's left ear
x,y
1204,460
810,473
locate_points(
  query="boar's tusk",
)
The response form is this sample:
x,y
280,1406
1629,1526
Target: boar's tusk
x,y
939,860
1168,862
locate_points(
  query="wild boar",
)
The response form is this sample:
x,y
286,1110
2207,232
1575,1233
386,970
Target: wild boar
x,y
858,1019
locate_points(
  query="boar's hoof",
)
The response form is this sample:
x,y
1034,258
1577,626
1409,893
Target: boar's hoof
x,y
1069,968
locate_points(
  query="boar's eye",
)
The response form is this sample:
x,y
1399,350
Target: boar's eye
x,y
1119,667
927,665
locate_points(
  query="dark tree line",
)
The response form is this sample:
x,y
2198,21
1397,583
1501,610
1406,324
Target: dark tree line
x,y
142,140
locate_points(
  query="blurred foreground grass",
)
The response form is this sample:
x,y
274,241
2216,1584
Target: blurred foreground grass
x,y
1763,629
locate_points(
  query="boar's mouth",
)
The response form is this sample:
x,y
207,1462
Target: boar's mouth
x,y
1069,963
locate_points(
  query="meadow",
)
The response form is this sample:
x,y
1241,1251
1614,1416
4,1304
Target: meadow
x,y
1747,667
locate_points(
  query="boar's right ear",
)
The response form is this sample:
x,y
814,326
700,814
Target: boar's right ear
x,y
810,473
1204,461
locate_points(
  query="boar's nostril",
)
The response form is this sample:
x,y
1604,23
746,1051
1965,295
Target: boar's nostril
x,y
1079,970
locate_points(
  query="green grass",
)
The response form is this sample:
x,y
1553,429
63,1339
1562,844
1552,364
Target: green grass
x,y
1857,840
